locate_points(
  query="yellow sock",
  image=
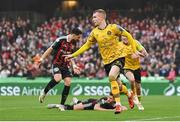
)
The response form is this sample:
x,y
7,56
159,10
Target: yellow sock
x,y
124,90
115,91
117,99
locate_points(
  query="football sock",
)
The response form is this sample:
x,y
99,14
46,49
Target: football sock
x,y
124,90
115,91
50,85
65,94
68,107
79,101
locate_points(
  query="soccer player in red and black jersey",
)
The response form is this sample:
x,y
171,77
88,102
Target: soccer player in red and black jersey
x,y
61,68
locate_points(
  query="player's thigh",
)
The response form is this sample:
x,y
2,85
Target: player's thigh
x,y
56,72
79,106
57,77
114,72
129,75
67,81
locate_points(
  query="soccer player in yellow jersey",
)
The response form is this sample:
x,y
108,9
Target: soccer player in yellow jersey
x,y
132,70
112,51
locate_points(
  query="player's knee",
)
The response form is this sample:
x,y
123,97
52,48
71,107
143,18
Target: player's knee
x,y
112,78
67,83
57,77
132,80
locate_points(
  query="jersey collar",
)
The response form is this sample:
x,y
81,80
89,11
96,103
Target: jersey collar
x,y
67,37
103,28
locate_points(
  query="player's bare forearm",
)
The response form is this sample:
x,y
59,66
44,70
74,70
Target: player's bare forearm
x,y
144,52
46,53
141,54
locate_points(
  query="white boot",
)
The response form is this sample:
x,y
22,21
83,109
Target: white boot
x,y
42,96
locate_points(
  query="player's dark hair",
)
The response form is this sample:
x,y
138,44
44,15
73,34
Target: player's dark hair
x,y
100,11
76,31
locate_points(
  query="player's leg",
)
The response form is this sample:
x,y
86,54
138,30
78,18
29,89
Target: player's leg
x,y
130,76
122,87
53,82
50,106
57,77
138,90
65,93
137,75
78,106
129,94
113,74
66,75
66,107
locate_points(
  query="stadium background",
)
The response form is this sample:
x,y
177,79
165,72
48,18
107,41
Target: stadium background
x,y
29,27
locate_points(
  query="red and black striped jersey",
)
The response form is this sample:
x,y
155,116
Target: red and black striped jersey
x,y
61,47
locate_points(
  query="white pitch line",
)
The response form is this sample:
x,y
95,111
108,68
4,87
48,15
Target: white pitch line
x,y
158,118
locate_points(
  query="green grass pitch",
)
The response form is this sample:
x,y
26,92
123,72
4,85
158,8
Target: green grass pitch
x,y
157,108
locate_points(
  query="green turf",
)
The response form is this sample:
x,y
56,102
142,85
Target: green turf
x,y
157,108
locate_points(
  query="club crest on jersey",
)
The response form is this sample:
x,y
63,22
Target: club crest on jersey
x,y
56,69
109,33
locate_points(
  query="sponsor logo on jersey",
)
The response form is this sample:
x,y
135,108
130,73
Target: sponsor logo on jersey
x,y
56,69
109,32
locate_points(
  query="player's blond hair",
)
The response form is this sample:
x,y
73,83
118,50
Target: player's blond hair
x,y
100,11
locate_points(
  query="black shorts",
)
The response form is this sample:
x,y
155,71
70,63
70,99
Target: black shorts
x,y
136,73
118,62
89,104
64,71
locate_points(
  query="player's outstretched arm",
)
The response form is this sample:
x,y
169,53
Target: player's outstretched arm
x,y
141,49
85,47
144,52
46,53
38,59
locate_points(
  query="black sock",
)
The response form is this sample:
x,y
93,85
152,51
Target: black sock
x,y
69,107
79,102
50,85
65,94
